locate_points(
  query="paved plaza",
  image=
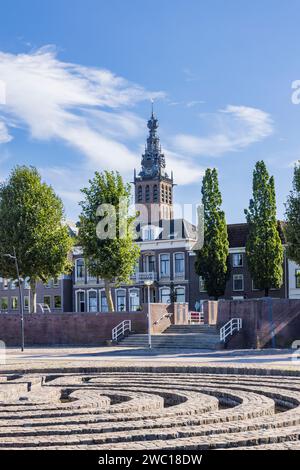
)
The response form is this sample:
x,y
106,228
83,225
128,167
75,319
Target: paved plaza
x,y
116,398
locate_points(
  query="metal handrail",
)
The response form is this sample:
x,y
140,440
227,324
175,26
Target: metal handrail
x,y
166,315
233,325
44,307
120,329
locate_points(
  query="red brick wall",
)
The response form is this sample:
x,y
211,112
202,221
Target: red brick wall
x,y
256,331
78,328
66,328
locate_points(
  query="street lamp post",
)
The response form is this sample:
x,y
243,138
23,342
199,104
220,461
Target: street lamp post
x,y
14,257
149,283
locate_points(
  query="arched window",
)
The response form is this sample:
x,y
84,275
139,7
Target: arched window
x,y
121,300
140,193
103,301
165,265
80,301
162,193
165,295
180,294
170,195
155,193
147,195
134,299
92,301
79,270
179,270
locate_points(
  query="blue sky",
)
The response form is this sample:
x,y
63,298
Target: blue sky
x,y
79,76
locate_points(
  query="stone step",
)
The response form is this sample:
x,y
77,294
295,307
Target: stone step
x,y
191,329
173,341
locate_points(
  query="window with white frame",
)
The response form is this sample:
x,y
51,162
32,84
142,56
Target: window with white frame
x,y
4,303
5,283
165,265
165,295
103,302
148,233
57,301
121,300
180,294
79,270
80,301
150,263
26,302
238,282
134,300
13,284
55,282
47,300
202,287
14,303
26,283
179,264
297,275
237,260
92,301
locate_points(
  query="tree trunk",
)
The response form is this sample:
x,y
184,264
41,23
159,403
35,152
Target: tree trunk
x,y
108,295
33,296
266,292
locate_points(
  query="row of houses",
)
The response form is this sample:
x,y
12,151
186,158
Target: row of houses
x,y
167,257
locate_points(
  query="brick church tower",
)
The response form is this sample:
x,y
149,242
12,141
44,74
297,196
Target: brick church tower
x,y
153,186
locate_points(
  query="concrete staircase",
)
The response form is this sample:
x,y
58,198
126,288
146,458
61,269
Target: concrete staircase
x,y
177,336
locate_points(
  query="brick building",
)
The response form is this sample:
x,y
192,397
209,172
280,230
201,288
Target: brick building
x,y
167,256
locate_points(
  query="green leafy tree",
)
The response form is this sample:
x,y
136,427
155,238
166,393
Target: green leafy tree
x,y
212,259
292,226
264,250
106,231
31,224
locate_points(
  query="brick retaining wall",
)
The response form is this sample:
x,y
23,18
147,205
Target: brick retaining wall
x,y
256,331
78,328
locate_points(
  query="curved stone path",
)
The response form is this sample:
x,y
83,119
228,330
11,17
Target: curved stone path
x,y
132,409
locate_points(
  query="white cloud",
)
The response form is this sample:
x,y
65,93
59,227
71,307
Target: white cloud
x,y
82,106
240,126
192,103
4,134
185,171
92,110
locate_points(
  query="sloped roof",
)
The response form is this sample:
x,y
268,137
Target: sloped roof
x,y
238,233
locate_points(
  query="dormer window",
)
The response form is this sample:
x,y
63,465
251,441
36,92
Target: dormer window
x,y
148,234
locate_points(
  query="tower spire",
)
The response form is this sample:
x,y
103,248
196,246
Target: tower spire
x,y
153,160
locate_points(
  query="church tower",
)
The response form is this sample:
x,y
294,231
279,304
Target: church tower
x,y
153,186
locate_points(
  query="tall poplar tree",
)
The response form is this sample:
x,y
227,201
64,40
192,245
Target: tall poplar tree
x,y
264,250
292,214
212,259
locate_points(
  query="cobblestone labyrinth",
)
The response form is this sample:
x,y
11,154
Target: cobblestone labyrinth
x,y
146,410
